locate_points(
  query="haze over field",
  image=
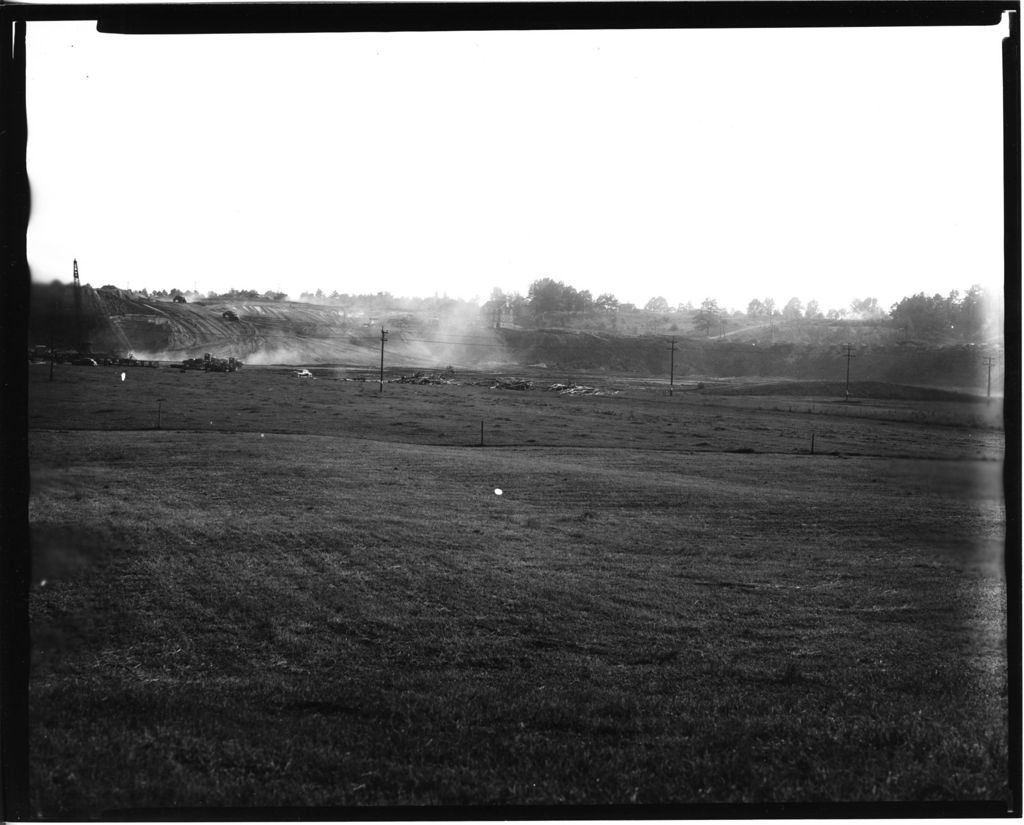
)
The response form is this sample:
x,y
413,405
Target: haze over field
x,y
734,164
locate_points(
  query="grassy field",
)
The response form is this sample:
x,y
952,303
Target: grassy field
x,y
306,592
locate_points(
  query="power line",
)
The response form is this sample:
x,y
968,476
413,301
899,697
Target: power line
x,y
465,342
468,343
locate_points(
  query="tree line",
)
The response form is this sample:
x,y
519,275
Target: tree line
x,y
917,316
954,316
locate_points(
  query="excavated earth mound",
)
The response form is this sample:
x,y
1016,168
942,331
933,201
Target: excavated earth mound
x,y
118,322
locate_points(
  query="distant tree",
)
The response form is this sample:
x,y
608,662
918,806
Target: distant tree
x,y
708,315
971,314
812,311
867,309
923,316
793,310
495,310
953,307
771,312
606,301
518,306
547,295
240,295
656,304
756,309
836,314
583,301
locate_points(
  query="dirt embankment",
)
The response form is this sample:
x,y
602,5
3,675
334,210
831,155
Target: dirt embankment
x,y
117,321
953,367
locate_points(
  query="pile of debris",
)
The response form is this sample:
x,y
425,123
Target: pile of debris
x,y
423,378
42,354
572,389
511,384
210,364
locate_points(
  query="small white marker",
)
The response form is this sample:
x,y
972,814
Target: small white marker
x,y
497,491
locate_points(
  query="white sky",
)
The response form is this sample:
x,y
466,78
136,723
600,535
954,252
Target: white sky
x,y
830,164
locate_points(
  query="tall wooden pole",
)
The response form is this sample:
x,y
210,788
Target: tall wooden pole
x,y
672,368
849,348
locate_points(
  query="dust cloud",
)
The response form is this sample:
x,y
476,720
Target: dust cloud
x,y
456,337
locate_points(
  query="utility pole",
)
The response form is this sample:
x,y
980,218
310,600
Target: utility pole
x,y
78,310
849,355
672,367
53,354
383,338
989,361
